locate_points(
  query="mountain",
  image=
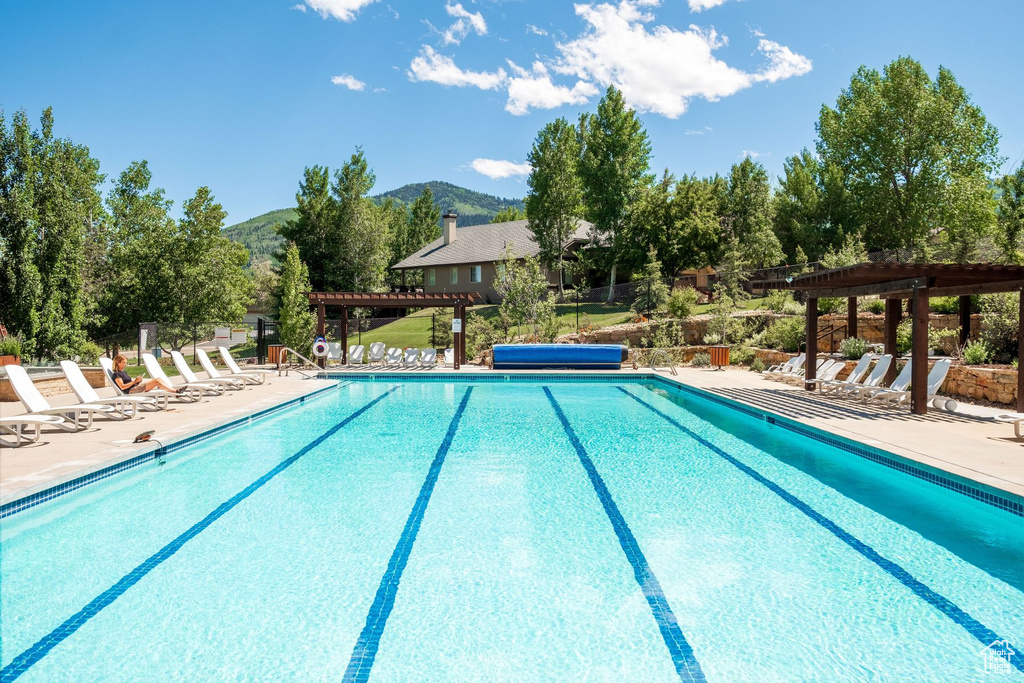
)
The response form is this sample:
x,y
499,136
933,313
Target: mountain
x,y
259,234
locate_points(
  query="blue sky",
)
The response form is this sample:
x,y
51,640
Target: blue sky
x,y
241,95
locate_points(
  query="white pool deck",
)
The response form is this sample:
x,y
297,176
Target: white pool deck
x,y
968,443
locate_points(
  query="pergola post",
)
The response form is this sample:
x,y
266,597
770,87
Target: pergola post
x,y
965,318
321,326
1020,353
893,312
457,341
344,335
851,317
462,336
811,362
919,355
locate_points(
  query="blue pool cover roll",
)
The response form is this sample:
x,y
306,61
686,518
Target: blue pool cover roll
x,y
572,356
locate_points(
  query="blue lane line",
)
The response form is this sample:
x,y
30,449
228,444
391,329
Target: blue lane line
x,y
26,659
365,651
683,658
984,634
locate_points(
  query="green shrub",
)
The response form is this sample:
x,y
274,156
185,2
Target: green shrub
x,y
741,355
945,304
757,365
669,334
785,334
830,305
89,353
977,352
481,335
442,330
712,339
777,299
999,315
729,329
793,308
10,347
904,336
944,340
853,347
681,302
701,360
875,306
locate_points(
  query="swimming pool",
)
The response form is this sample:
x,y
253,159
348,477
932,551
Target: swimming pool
x,y
539,529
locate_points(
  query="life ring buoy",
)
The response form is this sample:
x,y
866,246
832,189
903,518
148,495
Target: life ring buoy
x,y
320,347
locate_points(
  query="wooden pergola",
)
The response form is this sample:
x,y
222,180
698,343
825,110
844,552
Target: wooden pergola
x,y
347,300
916,282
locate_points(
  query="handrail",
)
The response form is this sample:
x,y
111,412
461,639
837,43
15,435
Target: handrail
x,y
830,332
671,364
308,362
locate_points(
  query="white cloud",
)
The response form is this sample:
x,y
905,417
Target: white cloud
x,y
498,168
535,89
465,20
345,10
660,69
530,28
350,82
300,7
705,129
700,5
434,67
750,153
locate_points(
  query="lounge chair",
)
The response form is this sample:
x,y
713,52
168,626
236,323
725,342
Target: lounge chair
x,y
825,375
936,376
873,380
16,427
157,372
856,375
449,357
394,356
191,378
1015,418
37,405
783,368
236,371
428,358
189,396
355,354
377,350
798,372
128,406
333,352
214,373
901,383
820,369
411,356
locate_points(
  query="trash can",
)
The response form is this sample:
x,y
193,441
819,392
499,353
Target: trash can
x,y
276,354
719,356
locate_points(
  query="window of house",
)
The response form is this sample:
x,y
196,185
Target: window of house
x,y
431,276
455,275
475,273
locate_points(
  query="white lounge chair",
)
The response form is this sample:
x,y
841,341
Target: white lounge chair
x,y
411,356
16,427
901,382
798,377
37,405
798,372
236,371
449,357
157,372
333,352
825,375
191,378
874,379
790,365
394,356
377,350
355,354
428,358
214,373
856,375
936,376
128,406
188,396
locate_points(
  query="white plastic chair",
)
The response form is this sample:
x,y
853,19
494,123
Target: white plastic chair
x,y
377,350
157,372
855,376
873,380
192,395
191,378
449,357
899,384
37,405
233,368
790,365
214,373
936,376
16,427
127,406
428,357
355,354
394,356
333,352
411,356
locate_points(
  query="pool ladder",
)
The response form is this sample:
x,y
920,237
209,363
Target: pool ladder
x,y
301,372
663,352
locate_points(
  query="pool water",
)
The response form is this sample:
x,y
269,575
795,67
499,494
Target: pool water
x,y
448,531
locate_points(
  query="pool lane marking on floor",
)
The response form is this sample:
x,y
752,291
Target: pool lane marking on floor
x,y
686,664
40,649
365,650
982,633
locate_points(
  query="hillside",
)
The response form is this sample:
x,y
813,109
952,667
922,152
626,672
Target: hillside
x,y
260,237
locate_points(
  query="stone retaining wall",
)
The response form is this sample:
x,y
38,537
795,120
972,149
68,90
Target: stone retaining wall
x,y
998,385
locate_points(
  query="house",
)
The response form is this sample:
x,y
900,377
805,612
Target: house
x,y
467,259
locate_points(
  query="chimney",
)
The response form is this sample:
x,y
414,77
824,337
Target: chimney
x,y
449,227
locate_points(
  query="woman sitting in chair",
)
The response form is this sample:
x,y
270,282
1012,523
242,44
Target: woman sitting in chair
x,y
134,386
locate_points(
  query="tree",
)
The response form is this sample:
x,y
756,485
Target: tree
x,y
395,216
296,323
509,214
696,241
748,216
266,284
1011,216
652,292
523,289
614,168
811,206
555,200
911,151
424,221
314,231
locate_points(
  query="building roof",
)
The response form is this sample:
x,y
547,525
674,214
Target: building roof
x,y
482,244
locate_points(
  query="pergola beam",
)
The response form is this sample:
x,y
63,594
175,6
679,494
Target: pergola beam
x,y
967,290
862,290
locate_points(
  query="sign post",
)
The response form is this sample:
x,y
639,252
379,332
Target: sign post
x,y
456,336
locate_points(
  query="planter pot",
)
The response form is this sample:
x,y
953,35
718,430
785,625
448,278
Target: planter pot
x,y
10,360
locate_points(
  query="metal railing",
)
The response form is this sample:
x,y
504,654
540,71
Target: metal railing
x,y
286,366
663,352
831,333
